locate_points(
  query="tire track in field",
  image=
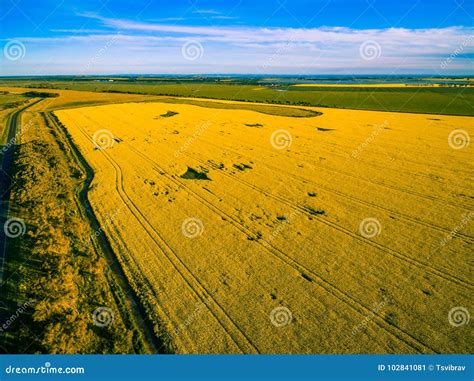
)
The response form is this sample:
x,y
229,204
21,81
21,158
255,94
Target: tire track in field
x,y
402,216
433,270
355,199
330,288
238,337
115,260
438,168
129,265
333,170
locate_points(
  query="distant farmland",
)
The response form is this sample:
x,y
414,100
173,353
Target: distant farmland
x,y
446,100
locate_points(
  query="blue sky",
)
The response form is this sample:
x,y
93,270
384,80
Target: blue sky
x,y
237,36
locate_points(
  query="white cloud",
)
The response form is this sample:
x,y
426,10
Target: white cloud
x,y
207,11
222,17
238,49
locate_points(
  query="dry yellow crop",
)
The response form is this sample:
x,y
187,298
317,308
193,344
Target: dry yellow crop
x,y
247,232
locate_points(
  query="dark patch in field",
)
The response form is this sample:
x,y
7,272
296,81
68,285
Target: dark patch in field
x,y
169,114
324,129
192,174
150,182
314,212
258,235
39,94
242,166
281,218
75,173
254,125
218,165
391,318
308,278
433,119
311,194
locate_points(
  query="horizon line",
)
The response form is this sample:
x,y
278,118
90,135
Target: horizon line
x,y
236,75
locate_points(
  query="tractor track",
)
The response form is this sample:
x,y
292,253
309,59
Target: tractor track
x,y
443,273
227,323
342,296
333,170
102,243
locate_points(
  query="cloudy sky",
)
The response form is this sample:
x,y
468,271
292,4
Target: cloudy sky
x,y
237,36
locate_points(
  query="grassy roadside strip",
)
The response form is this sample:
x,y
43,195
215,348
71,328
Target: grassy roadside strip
x,y
7,107
72,300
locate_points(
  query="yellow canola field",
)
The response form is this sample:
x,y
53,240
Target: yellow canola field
x,y
247,232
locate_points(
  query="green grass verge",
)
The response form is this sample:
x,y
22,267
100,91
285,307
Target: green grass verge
x,y
54,271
